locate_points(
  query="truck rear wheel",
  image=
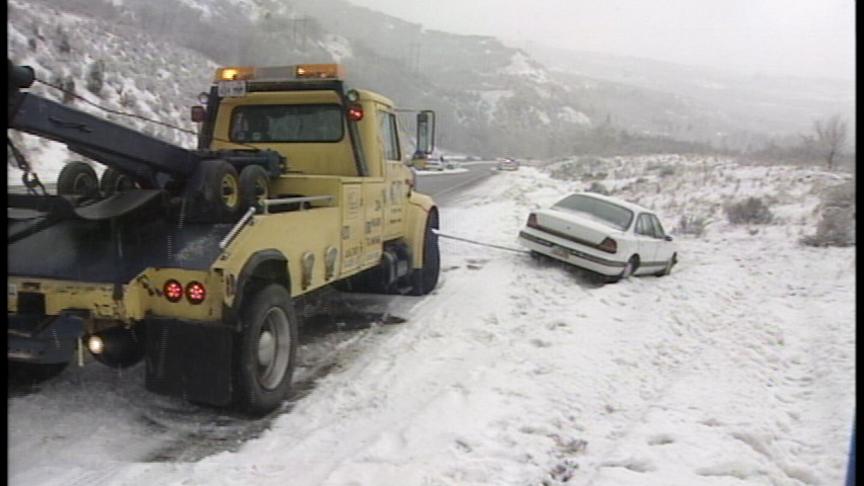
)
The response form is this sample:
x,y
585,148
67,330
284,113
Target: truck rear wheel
x,y
267,350
425,279
77,179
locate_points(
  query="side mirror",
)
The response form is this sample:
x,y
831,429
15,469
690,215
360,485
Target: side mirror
x,y
199,114
668,237
426,131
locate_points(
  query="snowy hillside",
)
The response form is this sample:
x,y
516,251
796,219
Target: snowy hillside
x,y
739,368
140,75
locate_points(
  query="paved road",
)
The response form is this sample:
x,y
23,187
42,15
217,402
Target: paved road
x,y
444,187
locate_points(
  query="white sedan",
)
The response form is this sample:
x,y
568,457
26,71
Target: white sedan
x,y
602,234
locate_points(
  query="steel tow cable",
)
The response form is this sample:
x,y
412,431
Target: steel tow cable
x,y
478,243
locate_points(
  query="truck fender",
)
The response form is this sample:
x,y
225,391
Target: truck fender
x,y
268,265
417,212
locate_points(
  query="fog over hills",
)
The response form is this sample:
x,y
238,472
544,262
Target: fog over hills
x,y
492,99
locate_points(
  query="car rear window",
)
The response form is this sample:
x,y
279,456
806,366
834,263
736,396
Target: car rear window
x,y
604,211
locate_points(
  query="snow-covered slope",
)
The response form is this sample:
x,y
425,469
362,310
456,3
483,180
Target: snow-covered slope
x,y
141,75
739,368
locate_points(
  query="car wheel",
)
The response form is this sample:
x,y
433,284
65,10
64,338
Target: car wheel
x,y
668,268
425,279
77,179
630,268
267,350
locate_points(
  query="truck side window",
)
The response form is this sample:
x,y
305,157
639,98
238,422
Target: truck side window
x,y
389,135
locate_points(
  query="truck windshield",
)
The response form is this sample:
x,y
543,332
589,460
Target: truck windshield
x,y
286,123
597,209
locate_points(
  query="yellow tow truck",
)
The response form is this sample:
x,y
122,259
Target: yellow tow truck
x,y
192,259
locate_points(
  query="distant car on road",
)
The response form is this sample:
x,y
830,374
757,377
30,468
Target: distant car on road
x,y
508,164
605,235
434,164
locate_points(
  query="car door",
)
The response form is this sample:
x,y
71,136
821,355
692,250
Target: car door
x,y
665,248
646,243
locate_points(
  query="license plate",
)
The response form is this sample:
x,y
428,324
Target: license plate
x,y
560,252
231,88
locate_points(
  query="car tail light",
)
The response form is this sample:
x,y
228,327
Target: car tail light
x,y
532,221
195,292
608,245
173,291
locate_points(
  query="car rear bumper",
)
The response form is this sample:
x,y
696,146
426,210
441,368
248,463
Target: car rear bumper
x,y
564,251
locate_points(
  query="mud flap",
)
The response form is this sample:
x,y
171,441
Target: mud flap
x,y
192,361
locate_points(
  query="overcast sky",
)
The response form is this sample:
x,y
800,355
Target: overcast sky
x,y
798,37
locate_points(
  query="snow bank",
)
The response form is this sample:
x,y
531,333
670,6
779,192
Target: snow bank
x,y
736,369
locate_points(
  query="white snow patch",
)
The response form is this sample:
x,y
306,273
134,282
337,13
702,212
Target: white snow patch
x,y
738,367
338,47
571,115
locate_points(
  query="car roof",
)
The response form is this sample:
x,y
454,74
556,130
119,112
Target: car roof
x,y
614,200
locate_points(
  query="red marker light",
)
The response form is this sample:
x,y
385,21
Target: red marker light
x,y
355,113
173,291
196,293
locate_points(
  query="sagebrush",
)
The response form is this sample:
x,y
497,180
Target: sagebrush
x,y
752,210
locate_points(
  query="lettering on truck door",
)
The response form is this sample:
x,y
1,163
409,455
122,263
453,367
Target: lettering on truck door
x,y
374,222
352,227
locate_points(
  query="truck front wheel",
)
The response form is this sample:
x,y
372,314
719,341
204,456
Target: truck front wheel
x,y
426,278
267,350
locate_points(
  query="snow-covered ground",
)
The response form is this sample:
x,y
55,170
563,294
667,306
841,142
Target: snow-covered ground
x,y
736,369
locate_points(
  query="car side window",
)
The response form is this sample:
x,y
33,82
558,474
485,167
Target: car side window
x,y
643,226
658,228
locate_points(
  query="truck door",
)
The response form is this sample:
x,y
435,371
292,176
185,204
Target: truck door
x,y
395,188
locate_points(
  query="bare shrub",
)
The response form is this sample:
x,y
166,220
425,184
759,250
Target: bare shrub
x,y
691,225
598,188
750,211
836,227
96,77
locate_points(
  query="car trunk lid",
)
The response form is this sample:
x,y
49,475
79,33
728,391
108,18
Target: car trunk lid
x,y
573,225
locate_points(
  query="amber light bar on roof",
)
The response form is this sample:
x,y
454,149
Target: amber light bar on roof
x,y
281,73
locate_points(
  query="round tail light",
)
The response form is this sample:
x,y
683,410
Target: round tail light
x,y
196,293
173,291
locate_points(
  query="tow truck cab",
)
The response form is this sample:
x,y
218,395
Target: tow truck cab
x,y
209,304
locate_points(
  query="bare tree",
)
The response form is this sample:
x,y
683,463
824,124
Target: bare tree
x,y
831,136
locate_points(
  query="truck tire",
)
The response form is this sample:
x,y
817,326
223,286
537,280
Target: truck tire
x,y
254,186
115,181
267,350
425,279
221,190
77,179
